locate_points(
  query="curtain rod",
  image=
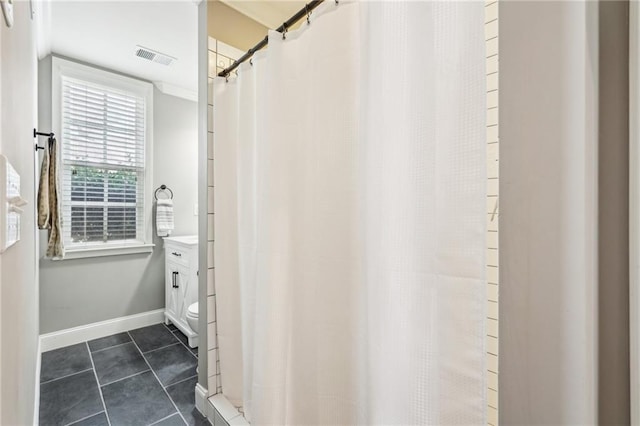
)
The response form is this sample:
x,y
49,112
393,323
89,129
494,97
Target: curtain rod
x,y
304,12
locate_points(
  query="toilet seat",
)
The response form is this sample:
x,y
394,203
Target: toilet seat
x,y
192,310
192,317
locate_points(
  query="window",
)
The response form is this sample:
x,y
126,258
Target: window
x,y
105,168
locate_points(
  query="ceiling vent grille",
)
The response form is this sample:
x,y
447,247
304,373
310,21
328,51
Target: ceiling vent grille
x,y
153,56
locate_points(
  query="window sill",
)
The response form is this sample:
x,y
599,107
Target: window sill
x,y
82,253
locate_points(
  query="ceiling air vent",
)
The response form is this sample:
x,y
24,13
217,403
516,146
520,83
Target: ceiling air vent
x,y
153,56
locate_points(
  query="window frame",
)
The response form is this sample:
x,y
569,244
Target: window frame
x,y
65,68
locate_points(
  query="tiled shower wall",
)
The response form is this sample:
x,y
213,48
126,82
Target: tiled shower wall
x,y
221,55
491,40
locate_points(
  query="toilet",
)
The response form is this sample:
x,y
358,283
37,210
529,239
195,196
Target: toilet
x,y
192,317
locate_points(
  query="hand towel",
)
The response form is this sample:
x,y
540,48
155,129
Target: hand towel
x,y
164,217
43,192
49,212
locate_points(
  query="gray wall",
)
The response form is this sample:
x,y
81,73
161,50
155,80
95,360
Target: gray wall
x,y
82,291
563,213
548,214
613,201
18,276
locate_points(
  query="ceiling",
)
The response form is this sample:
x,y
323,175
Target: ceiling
x,y
270,13
105,33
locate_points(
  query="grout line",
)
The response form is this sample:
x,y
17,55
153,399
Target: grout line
x,y
157,349
106,413
189,349
64,377
164,418
160,383
110,347
84,418
180,381
186,346
127,377
167,327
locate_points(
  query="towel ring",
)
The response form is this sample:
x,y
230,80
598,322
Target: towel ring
x,y
163,188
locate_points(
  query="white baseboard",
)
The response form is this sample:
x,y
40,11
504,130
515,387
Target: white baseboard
x,y
201,399
71,336
36,403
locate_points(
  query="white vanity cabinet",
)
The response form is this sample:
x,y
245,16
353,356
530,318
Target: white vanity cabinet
x,y
181,282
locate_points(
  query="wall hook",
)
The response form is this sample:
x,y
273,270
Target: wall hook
x,y
36,133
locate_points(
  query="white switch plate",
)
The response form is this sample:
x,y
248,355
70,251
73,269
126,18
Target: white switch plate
x,y
11,203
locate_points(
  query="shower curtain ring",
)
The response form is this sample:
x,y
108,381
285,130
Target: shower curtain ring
x,y
284,30
251,61
306,8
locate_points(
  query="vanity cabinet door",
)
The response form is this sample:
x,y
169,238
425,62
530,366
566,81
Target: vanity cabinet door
x,y
173,294
183,282
181,285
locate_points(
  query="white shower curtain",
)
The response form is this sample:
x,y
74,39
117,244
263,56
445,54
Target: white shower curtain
x,y
350,219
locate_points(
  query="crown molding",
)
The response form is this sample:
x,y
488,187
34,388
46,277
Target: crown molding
x,y
173,90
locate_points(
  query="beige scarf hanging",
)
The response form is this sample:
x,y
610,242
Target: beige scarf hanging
x,y
49,201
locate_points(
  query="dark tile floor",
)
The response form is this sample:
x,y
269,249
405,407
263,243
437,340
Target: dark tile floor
x,y
141,377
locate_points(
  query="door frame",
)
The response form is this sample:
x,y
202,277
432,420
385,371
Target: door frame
x,y
634,208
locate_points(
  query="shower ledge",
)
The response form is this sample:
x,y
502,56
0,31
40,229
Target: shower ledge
x,y
225,411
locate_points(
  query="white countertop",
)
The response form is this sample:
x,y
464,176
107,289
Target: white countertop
x,y
188,240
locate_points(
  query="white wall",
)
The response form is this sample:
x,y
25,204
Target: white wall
x,y
203,192
83,291
547,215
18,277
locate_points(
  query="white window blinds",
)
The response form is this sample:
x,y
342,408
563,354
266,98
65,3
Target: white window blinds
x,y
103,164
